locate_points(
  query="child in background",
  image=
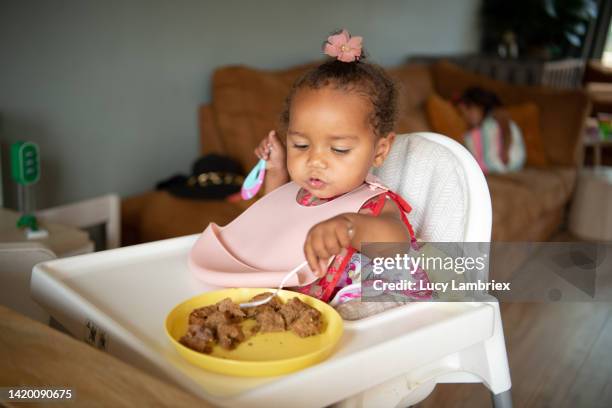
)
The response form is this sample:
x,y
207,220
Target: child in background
x,y
338,123
494,139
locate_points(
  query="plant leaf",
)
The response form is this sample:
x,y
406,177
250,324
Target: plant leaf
x,y
549,8
573,39
578,29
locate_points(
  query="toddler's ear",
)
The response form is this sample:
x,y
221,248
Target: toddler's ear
x,y
382,149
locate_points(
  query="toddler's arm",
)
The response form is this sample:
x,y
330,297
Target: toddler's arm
x,y
272,150
327,238
386,227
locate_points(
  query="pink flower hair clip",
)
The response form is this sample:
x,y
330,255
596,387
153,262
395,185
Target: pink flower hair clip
x,y
344,47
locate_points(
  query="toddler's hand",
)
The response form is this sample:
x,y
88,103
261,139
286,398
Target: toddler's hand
x,y
325,240
271,150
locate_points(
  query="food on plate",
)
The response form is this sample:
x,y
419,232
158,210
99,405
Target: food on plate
x,y
308,323
221,323
269,320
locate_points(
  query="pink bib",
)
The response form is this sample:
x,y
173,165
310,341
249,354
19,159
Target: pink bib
x,y
266,241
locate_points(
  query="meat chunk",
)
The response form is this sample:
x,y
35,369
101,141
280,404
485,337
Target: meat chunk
x,y
309,323
226,305
292,310
275,304
270,321
218,318
199,338
198,316
229,335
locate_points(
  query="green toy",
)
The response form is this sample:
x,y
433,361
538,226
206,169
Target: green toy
x,y
28,221
25,163
25,171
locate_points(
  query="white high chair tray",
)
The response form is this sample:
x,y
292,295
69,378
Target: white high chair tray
x,y
126,294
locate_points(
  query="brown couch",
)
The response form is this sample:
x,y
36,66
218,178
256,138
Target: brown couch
x,y
527,205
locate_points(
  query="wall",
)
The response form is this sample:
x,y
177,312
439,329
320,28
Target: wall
x,y
110,89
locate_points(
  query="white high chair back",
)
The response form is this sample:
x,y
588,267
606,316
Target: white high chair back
x,y
450,202
444,185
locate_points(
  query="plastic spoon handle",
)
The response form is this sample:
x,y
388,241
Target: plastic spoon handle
x,y
280,286
254,180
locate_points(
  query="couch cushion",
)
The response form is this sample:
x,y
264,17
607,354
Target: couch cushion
x,y
445,118
562,111
514,207
527,118
521,198
414,85
553,187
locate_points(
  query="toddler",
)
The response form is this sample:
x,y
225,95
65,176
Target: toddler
x,y
494,139
338,123
321,202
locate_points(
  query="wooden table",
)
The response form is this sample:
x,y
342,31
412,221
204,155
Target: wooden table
x,y
35,355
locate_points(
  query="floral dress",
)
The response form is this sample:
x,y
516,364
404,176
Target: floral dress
x,y
341,283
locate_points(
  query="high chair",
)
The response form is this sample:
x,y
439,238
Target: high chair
x,y
117,300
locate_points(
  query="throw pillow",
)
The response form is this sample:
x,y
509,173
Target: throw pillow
x,y
444,118
527,118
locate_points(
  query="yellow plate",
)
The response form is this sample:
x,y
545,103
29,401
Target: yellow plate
x,y
264,354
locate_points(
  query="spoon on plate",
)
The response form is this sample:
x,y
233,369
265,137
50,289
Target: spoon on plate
x,y
263,301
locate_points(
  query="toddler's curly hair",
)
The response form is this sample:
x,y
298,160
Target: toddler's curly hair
x,y
365,79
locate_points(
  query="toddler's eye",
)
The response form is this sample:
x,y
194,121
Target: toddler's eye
x,y
340,151
300,146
